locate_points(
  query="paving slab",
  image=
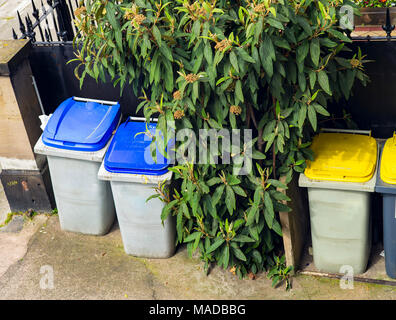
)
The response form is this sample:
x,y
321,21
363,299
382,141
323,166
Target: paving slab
x,y
15,225
14,244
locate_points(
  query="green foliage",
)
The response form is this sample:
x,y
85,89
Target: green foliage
x,y
375,3
270,66
10,216
27,215
279,273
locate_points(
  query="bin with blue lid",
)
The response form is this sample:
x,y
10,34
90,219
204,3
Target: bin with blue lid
x,y
133,175
75,141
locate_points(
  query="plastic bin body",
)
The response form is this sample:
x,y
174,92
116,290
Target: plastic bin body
x,y
142,232
340,185
340,229
133,176
389,216
388,191
84,203
75,141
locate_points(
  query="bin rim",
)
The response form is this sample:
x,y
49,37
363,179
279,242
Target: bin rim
x,y
103,174
95,156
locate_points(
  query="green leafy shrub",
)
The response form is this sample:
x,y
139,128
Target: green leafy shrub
x,y
375,3
279,273
269,66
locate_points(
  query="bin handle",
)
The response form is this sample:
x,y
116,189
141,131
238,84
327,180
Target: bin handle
x,y
139,119
368,132
94,100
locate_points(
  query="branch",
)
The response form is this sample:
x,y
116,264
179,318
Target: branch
x,y
260,141
273,146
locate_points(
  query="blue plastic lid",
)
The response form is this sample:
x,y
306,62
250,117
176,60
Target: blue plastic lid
x,y
129,151
81,125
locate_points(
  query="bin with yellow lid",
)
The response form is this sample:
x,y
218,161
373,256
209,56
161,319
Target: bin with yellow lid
x,y
386,185
340,182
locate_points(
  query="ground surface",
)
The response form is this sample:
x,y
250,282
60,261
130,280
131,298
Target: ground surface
x,y
90,267
4,206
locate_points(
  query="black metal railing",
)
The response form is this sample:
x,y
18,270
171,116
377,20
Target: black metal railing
x,y
48,22
53,22
387,27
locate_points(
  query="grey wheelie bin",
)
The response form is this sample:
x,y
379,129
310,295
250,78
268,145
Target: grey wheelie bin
x,y
386,185
340,182
133,175
75,141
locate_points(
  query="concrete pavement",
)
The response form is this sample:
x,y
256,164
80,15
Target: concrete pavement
x,y
91,267
4,206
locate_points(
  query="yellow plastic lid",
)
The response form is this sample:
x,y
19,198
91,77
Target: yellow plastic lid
x,y
388,161
343,157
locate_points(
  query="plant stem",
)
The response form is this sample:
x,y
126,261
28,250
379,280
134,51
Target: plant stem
x,y
273,146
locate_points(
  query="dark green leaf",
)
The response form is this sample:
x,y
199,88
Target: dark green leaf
x,y
234,61
243,238
238,190
315,51
239,254
324,81
312,117
217,194
238,91
230,200
217,243
320,109
193,236
157,35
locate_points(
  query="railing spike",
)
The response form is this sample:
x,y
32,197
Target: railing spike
x,y
43,8
19,17
30,32
36,15
21,25
28,19
70,7
62,16
35,10
388,27
47,37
